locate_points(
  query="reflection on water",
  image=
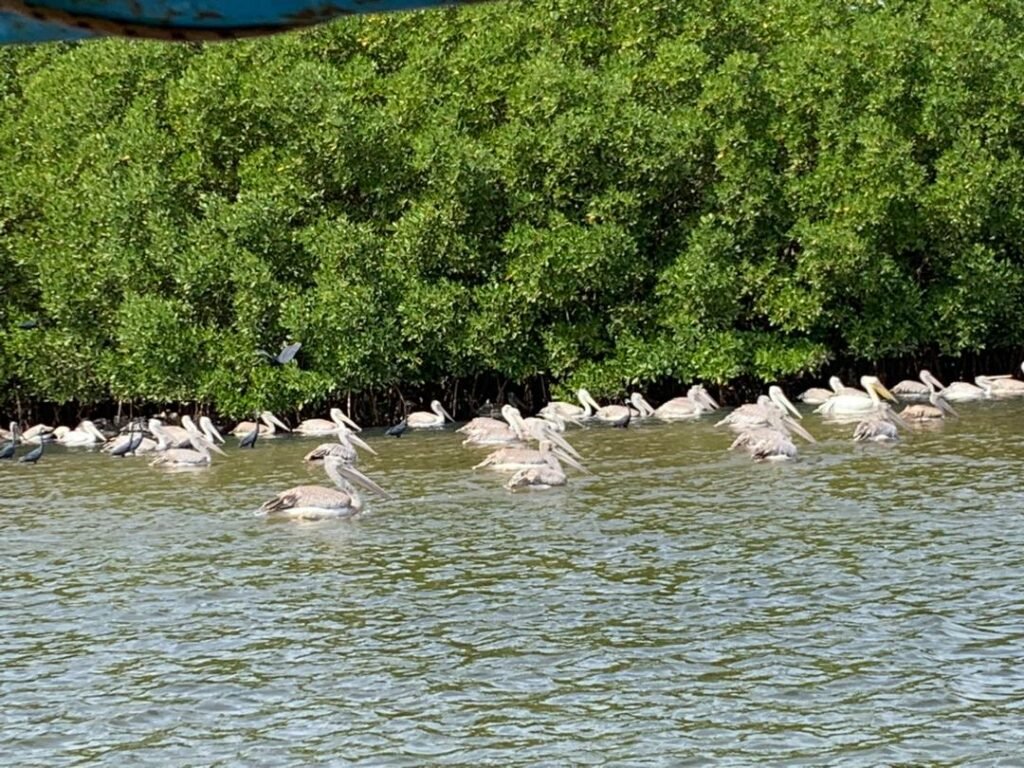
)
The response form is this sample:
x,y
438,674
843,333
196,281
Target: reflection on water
x,y
861,606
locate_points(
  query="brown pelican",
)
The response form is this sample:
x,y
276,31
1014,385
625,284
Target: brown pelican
x,y
196,456
1001,386
325,427
564,409
512,430
432,419
859,404
268,426
757,414
315,502
880,426
908,389
85,433
697,401
344,449
938,409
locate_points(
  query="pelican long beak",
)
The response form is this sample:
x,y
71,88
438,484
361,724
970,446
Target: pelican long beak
x,y
268,416
339,416
540,432
779,397
356,476
445,413
212,432
796,427
707,399
943,405
883,392
198,439
898,420
356,440
563,456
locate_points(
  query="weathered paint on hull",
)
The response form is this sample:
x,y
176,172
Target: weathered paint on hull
x,y
34,21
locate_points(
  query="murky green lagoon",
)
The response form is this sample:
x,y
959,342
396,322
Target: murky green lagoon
x,y
863,606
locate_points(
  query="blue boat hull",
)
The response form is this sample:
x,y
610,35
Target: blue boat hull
x,y
34,21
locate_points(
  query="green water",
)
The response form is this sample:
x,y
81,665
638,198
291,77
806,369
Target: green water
x,y
683,606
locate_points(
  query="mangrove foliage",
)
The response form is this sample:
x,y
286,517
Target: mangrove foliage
x,y
606,194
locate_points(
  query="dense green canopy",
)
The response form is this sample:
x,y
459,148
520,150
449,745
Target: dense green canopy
x,y
611,194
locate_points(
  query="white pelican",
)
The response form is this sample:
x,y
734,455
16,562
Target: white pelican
x,y
315,502
196,456
697,401
620,415
908,389
879,426
181,437
1001,386
962,392
818,395
938,409
85,433
564,409
325,427
512,430
857,405
8,434
433,419
511,459
551,421
344,449
37,434
639,403
752,415
771,440
268,425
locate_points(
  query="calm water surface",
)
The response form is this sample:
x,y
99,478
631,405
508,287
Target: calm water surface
x,y
862,606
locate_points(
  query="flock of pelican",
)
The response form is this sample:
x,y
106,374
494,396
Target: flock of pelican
x,y
765,430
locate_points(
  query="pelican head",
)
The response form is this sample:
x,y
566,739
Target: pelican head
x,y
543,433
341,474
514,418
699,394
933,383
836,384
208,429
873,384
590,403
889,414
942,404
777,396
338,417
270,420
200,441
436,407
346,435
639,402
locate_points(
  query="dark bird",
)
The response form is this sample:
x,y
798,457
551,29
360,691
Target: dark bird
x,y
398,429
283,357
135,438
249,439
33,456
7,452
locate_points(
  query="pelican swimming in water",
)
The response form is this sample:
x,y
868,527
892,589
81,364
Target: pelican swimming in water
x,y
752,415
37,434
963,392
551,421
315,502
1001,386
432,419
344,449
818,395
771,440
911,390
494,432
268,425
937,409
181,437
696,402
565,410
326,427
84,434
859,404
511,459
196,456
144,444
8,434
620,415
881,426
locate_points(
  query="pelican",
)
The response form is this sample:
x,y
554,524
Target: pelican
x,y
325,427
552,421
643,409
37,434
85,433
818,395
856,405
921,412
196,456
757,414
9,434
1001,386
145,444
771,439
512,430
564,409
344,449
880,426
962,392
908,389
696,402
315,502
433,419
181,437
268,425
620,415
